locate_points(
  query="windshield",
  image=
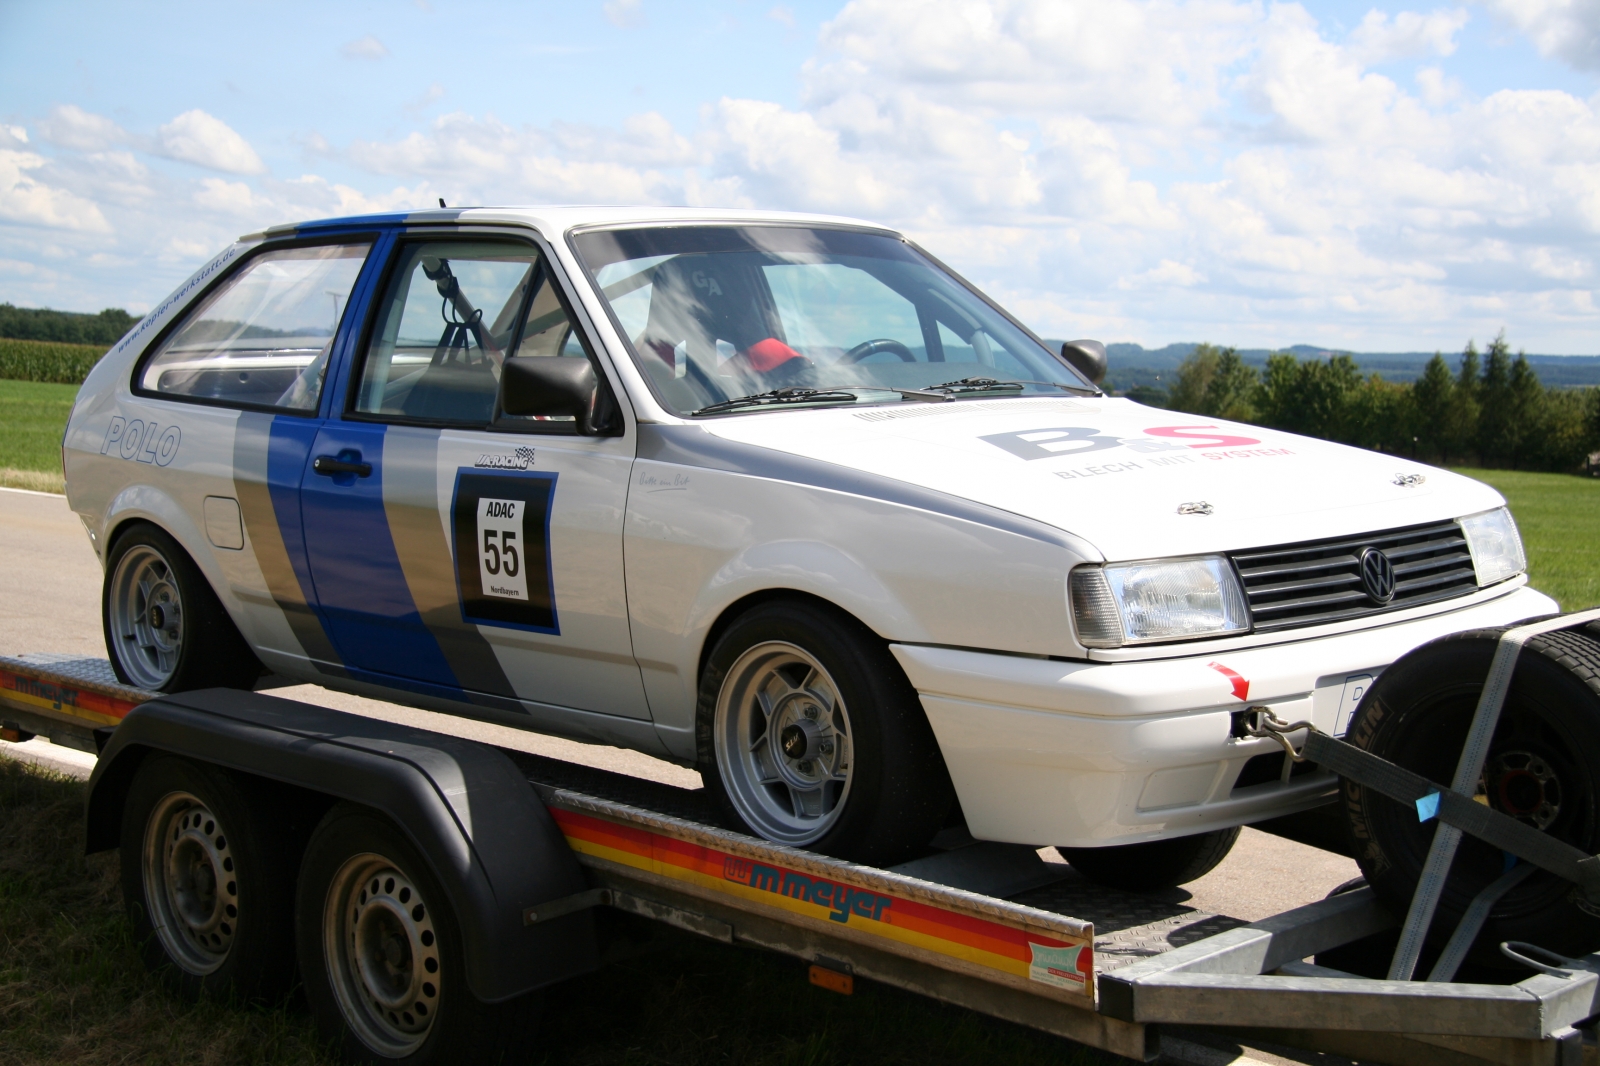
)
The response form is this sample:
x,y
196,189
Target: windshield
x,y
717,313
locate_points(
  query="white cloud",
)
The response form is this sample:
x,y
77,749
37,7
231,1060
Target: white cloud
x,y
368,47
782,14
25,199
1380,39
198,138
69,126
1566,29
624,14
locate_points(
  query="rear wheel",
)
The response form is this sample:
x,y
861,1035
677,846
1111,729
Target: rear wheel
x,y
1154,865
208,882
381,954
165,629
810,735
1540,770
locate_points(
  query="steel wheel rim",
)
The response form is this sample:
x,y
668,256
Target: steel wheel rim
x,y
146,612
190,884
783,743
382,955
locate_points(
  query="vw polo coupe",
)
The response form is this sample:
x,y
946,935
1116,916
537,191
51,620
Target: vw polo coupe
x,y
779,497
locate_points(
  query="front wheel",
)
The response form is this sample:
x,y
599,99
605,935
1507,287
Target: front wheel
x,y
381,954
810,735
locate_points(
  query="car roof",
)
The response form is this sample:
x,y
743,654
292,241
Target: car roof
x,y
558,218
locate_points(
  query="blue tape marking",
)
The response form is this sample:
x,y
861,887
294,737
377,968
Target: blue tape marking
x,y
1428,807
362,593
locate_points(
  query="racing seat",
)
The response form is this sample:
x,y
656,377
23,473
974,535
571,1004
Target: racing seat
x,y
698,300
460,383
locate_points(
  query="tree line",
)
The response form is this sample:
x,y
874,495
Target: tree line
x,y
1491,409
64,327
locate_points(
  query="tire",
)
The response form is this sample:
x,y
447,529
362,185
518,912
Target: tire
x,y
852,769
208,881
1156,865
381,954
1541,769
165,629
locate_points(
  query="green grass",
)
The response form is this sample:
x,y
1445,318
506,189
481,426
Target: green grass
x,y
1559,516
65,364
32,417
72,988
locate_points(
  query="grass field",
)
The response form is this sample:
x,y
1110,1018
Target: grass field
x,y
72,989
32,417
1559,516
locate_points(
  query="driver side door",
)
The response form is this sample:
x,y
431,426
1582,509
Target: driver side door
x,y
459,554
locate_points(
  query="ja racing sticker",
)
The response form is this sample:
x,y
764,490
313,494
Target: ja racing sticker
x,y
502,536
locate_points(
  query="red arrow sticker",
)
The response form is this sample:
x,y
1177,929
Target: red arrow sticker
x,y
1241,687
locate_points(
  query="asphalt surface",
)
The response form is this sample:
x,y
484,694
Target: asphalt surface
x,y
51,603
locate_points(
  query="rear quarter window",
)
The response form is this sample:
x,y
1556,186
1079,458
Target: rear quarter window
x,y
264,336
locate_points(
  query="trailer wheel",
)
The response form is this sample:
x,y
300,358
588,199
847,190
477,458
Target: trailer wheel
x,y
381,953
165,629
1541,769
1156,865
208,883
810,735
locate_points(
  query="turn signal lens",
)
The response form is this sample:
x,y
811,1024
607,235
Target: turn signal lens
x,y
1495,544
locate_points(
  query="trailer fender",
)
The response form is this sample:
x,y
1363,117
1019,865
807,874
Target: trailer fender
x,y
482,828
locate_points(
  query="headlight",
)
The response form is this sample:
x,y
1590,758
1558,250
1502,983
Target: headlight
x,y
1495,544
1139,603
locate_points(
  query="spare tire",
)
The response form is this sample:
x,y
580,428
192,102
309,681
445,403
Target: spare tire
x,y
1542,769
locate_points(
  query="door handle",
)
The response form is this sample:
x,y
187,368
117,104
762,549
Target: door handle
x,y
329,466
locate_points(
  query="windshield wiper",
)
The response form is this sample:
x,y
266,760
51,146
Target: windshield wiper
x,y
830,394
966,385
788,394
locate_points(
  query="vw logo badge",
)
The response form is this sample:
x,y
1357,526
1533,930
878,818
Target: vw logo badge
x,y
1377,575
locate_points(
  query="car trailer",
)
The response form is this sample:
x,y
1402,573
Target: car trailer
x,y
533,853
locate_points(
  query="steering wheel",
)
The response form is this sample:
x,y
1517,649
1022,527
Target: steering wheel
x,y
882,344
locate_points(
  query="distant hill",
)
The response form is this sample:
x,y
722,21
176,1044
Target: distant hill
x,y
64,327
1134,365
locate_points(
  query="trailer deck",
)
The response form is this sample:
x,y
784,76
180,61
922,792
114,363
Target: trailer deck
x,y
992,927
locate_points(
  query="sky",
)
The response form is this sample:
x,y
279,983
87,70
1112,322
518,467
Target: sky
x,y
1347,175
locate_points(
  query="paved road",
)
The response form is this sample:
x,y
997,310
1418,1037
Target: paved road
x,y
51,603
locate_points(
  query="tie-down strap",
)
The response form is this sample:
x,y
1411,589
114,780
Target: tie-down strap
x,y
1476,819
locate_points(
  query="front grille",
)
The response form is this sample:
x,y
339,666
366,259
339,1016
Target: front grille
x,y
1320,581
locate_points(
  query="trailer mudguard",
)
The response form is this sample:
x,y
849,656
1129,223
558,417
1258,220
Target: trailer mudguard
x,y
482,828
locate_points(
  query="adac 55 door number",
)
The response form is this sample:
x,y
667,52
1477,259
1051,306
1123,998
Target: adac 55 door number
x,y
502,537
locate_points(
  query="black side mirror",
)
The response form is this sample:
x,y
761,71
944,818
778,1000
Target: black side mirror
x,y
556,385
1087,358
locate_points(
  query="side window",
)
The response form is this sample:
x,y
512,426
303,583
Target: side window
x,y
263,338
454,313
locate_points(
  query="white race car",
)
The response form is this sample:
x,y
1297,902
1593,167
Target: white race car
x,y
779,497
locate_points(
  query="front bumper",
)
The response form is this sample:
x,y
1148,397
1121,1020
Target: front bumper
x,y
1082,754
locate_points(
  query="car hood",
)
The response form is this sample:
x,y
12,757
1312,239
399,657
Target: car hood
x,y
1121,475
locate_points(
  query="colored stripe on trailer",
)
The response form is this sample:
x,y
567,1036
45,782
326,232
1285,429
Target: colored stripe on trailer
x,y
75,700
1064,963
